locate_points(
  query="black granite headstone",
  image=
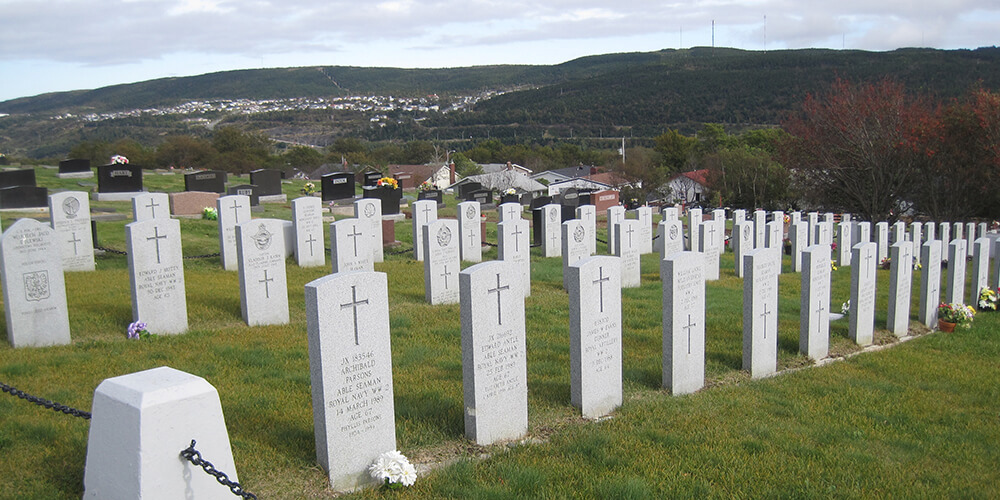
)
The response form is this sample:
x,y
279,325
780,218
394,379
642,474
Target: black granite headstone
x,y
371,178
212,181
246,190
337,186
390,197
433,194
540,201
465,190
268,181
20,177
483,196
569,199
119,178
74,166
536,226
24,197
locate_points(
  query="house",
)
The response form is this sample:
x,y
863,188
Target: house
x,y
580,184
688,187
561,174
490,168
503,180
412,176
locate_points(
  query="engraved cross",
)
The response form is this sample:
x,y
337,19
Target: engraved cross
x,y
353,304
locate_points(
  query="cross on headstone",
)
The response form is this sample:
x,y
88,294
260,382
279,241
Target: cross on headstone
x,y
821,308
472,236
266,281
868,259
497,290
517,232
601,278
156,238
630,231
711,235
426,210
445,274
353,304
764,314
554,237
354,237
310,242
74,241
236,211
152,207
688,328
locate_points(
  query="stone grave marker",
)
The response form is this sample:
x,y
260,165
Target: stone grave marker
x,y
191,202
813,219
627,251
156,273
644,215
338,186
260,250
424,212
760,311
900,286
861,325
209,181
710,245
673,238
369,212
307,220
595,335
349,246
955,293
930,283
509,211
249,190
441,262
760,229
829,217
119,178
23,197
882,240
798,235
814,311
917,233
844,243
513,247
980,269
551,230
929,230
970,237
350,367
588,215
864,232
671,213
744,236
574,245
945,229
616,214
470,231
75,169
34,289
775,235
146,206
494,363
268,181
824,233
694,225
70,214
957,231
682,275
232,210
719,217
995,254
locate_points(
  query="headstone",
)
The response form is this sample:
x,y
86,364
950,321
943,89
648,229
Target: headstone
x,y
119,178
350,367
569,199
595,335
512,246
75,168
862,232
760,229
627,251
494,365
774,234
260,250
829,217
435,195
970,237
470,231
232,210
17,177
574,245
644,215
981,229
955,293
671,213
34,290
917,233
882,240
995,255
814,311
945,233
900,286
930,283
307,220
209,181
288,230
719,217
682,275
369,212
424,212
551,230
929,229
615,215
371,178
441,262
588,215
349,246
739,216
249,190
980,269
956,233
509,211
70,213
861,325
156,272
709,245
824,233
14,197
694,225
844,244
673,238
149,417
813,219
744,238
798,235
268,181
191,202
483,196
146,206
760,311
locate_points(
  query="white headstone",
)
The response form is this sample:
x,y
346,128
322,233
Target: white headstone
x,y
350,366
980,269
929,230
844,243
760,311
644,215
683,322
813,219
552,230
719,217
759,229
615,215
70,213
509,211
739,216
863,232
349,250
898,232
260,248
917,233
34,290
441,262
798,235
694,225
627,250
369,212
595,335
307,220
930,283
424,212
232,210
588,216
882,240
970,237
673,238
995,255
146,419
814,314
156,272
861,325
670,213
955,293
494,365
470,231
956,233
709,245
900,288
824,233
743,237
513,247
147,206
574,241
945,233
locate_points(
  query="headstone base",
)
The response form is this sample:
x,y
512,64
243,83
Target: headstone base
x,y
126,196
388,231
274,198
394,217
41,210
75,175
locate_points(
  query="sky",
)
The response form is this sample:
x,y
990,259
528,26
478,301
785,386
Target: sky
x,y
60,45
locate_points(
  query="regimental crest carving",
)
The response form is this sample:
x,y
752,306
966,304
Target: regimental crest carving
x,y
71,206
470,212
263,238
553,215
444,236
746,233
369,209
579,233
674,233
36,286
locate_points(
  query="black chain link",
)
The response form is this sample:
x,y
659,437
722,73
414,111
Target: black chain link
x,y
400,252
194,456
44,402
122,252
494,245
110,250
601,241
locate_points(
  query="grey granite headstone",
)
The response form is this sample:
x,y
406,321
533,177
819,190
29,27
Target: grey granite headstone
x,y
739,216
900,286
955,293
694,225
743,237
814,310
147,206
673,237
844,243
798,235
350,367
513,247
917,233
232,210
645,217
70,213
260,250
759,229
682,275
470,236
882,240
824,233
760,311
813,219
627,250
574,245
156,272
930,283
349,246
945,229
509,211
595,335
369,212
970,237
980,269
861,325
441,261
709,245
34,290
587,214
494,363
551,230
424,212
307,221
615,215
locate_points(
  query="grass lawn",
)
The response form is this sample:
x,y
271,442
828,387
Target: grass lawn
x,y
921,419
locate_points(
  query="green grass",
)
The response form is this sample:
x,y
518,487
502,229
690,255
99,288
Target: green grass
x,y
917,420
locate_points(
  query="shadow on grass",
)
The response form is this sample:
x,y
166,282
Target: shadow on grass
x,y
432,409
652,379
732,360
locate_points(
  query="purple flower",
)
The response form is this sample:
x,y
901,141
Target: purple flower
x,y
136,329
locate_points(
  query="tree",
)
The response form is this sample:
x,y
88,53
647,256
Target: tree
x,y
240,151
184,151
748,177
302,157
675,149
642,170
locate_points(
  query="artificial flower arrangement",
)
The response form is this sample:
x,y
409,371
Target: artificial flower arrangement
x,y
308,189
137,330
427,186
393,469
960,314
510,192
388,181
845,308
209,213
119,160
833,265
988,298
886,263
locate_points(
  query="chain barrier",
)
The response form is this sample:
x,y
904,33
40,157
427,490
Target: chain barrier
x,y
110,250
399,252
493,245
194,456
601,241
44,402
122,252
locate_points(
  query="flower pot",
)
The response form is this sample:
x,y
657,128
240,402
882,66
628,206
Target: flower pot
x,y
945,326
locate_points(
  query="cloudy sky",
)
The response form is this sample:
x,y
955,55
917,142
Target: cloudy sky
x,y
57,45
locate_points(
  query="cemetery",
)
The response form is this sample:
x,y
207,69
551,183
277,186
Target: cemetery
x,y
654,366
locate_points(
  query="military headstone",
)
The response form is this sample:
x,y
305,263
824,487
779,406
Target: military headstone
x,y
814,311
760,311
861,325
369,212
709,245
683,322
470,231
156,273
441,262
260,250
694,225
349,246
980,268
588,215
232,210
955,293
513,247
615,215
70,213
744,237
147,206
844,243
551,230
424,212
595,335
760,229
645,217
673,237
900,286
307,220
34,290
627,250
930,283
509,211
882,240
798,235
574,245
